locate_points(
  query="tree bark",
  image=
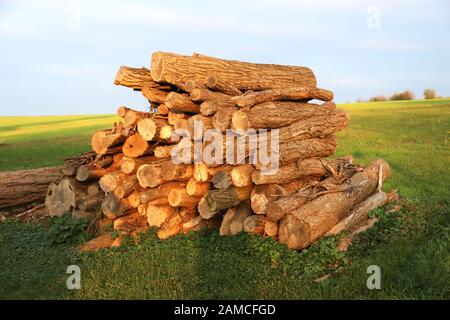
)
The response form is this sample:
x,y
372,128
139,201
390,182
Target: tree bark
x,y
222,180
174,225
154,95
221,120
277,114
255,224
130,165
176,172
312,220
159,194
250,98
359,213
222,199
180,198
181,103
136,78
208,108
220,85
130,222
104,140
113,207
167,66
195,188
201,95
21,187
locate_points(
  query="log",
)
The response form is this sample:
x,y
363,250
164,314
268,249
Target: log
x,y
263,194
208,108
172,117
255,224
174,225
359,213
302,149
133,199
271,228
241,175
221,120
243,210
180,198
130,222
130,165
250,98
176,172
113,207
163,109
136,146
67,195
201,95
126,186
154,129
109,182
132,117
154,95
162,152
222,180
149,175
222,199
191,85
200,173
87,172
312,220
104,140
197,125
157,215
135,78
195,188
22,187
158,195
220,85
276,210
167,66
277,114
181,103
317,126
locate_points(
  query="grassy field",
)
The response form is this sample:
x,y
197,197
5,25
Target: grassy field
x,y
412,246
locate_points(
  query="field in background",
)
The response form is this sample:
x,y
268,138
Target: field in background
x,y
410,246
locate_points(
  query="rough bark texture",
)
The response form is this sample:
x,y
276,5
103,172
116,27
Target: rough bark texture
x,y
242,75
223,86
104,140
277,114
158,195
250,98
135,78
181,103
312,220
154,95
21,187
201,95
208,108
255,224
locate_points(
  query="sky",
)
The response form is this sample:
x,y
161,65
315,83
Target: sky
x,y
61,57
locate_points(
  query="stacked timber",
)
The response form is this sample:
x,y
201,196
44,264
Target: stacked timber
x,y
165,167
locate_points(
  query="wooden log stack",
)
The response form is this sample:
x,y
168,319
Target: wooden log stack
x,y
143,183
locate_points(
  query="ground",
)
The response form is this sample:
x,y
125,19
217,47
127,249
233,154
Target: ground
x,y
411,246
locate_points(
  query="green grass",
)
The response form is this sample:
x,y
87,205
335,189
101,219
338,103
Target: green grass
x,y
411,246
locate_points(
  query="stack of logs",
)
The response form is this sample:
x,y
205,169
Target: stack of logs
x,y
132,177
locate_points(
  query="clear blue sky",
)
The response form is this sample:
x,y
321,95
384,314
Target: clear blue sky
x,y
60,57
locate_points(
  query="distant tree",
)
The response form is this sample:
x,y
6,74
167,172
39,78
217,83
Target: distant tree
x,y
429,94
378,98
406,95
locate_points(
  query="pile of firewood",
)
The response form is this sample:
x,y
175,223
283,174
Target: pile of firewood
x,y
133,178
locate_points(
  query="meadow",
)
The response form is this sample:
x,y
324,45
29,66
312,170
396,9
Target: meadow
x,y
411,246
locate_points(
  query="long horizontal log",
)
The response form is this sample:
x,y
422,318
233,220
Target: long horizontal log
x,y
104,140
269,115
242,75
21,187
250,98
154,95
201,95
158,195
